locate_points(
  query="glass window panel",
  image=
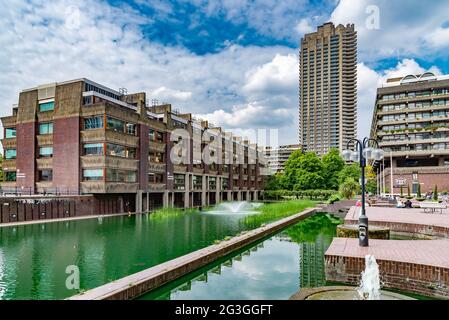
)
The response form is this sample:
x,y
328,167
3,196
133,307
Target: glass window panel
x,y
115,150
47,106
115,124
45,175
131,128
10,133
46,151
93,149
10,154
46,128
93,122
10,176
92,174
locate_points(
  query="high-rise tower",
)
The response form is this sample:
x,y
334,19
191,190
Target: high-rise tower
x,y
328,88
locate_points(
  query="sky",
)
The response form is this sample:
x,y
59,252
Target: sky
x,y
232,62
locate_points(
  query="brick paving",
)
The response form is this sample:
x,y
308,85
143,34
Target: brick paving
x,y
424,252
400,215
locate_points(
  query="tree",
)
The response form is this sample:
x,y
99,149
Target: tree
x,y
418,193
332,163
309,174
402,191
408,190
350,170
349,188
274,182
435,193
290,170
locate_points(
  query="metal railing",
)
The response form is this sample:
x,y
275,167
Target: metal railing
x,y
28,191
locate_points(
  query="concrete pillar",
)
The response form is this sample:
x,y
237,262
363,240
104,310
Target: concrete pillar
x,y
187,191
247,196
256,198
218,191
230,196
239,195
204,201
148,202
165,203
139,201
172,199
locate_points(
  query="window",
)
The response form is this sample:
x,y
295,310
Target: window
x,y
197,182
131,129
212,183
10,176
46,128
93,149
46,152
93,122
179,181
116,175
10,133
47,106
224,184
115,124
10,154
156,157
156,178
120,151
156,136
92,174
87,100
45,175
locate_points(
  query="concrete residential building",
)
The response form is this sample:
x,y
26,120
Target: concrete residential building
x,y
79,137
328,88
277,157
411,123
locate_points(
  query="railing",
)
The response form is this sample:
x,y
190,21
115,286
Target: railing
x,y
28,191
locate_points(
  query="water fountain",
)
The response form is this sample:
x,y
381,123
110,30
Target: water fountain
x,y
235,207
369,288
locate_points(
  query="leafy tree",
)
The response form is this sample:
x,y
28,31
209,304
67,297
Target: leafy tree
x,y
309,174
333,163
274,182
408,190
435,193
418,193
351,170
291,168
349,188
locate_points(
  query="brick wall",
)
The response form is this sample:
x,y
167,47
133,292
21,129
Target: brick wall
x,y
410,277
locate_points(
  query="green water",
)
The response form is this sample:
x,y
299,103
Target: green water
x,y
34,258
275,268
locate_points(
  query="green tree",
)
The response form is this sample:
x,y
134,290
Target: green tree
x,y
402,191
274,182
408,190
349,188
435,193
418,193
350,170
291,168
332,163
309,173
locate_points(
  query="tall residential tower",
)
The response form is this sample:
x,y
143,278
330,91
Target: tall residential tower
x,y
328,88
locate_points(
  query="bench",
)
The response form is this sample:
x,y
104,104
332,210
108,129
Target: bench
x,y
432,207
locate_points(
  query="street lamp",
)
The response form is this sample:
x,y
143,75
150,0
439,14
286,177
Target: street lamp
x,y
363,152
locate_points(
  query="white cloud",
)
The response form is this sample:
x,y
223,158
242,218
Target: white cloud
x,y
167,94
406,28
304,26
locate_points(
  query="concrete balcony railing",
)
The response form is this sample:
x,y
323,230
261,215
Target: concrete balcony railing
x,y
9,164
8,184
44,163
418,153
9,121
157,146
108,187
108,161
156,167
9,143
235,176
179,168
156,187
408,110
42,187
45,116
44,139
102,135
198,170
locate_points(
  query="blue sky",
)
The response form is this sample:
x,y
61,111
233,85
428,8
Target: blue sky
x,y
233,62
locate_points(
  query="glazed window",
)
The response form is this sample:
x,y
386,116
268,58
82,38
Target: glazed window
x,y
93,149
120,151
93,122
92,174
10,176
45,175
46,128
116,175
10,154
45,152
47,106
115,124
10,133
131,129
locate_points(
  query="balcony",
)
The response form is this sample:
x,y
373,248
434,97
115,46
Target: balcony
x,y
9,164
9,143
157,146
9,121
44,139
108,187
108,161
180,168
42,187
156,187
44,163
156,167
45,116
198,170
102,135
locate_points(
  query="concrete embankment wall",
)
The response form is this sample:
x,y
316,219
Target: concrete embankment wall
x,y
137,284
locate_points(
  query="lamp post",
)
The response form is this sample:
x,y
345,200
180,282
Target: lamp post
x,y
362,153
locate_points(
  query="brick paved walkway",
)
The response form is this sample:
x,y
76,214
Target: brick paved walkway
x,y
425,252
399,215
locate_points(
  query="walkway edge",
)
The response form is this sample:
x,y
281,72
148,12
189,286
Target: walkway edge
x,y
139,283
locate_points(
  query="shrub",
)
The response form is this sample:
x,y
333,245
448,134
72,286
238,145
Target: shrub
x,y
349,188
334,198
